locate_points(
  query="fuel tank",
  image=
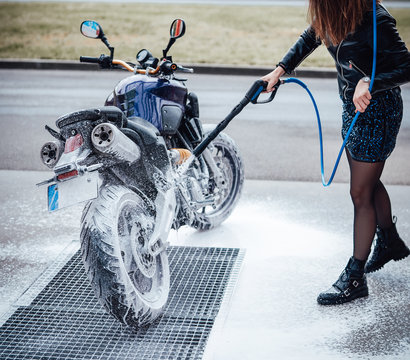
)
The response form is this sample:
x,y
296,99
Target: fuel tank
x,y
159,101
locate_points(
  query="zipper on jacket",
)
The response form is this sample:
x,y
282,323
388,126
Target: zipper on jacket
x,y
352,64
341,70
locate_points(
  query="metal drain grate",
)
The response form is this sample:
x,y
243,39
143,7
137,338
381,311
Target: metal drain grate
x,y
64,321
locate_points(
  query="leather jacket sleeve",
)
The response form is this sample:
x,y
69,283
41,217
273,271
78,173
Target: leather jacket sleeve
x,y
305,45
393,58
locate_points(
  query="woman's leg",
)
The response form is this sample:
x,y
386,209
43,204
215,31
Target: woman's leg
x,y
365,187
388,244
383,206
352,284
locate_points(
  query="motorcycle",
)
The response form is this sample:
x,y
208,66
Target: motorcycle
x,y
127,160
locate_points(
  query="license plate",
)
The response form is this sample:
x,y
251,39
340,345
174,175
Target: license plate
x,y
73,191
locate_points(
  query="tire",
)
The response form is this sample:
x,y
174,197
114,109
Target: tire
x,y
131,284
227,157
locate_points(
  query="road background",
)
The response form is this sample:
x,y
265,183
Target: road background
x,y
279,140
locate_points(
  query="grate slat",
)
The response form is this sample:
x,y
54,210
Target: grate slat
x,y
65,321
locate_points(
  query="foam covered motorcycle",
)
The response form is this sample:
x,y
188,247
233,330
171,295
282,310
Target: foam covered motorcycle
x,y
125,161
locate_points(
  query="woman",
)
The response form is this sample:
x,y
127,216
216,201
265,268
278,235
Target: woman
x,y
346,28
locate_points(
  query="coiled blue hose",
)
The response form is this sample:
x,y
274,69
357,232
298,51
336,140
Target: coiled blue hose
x,y
301,83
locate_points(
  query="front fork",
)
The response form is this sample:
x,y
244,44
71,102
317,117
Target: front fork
x,y
165,205
215,172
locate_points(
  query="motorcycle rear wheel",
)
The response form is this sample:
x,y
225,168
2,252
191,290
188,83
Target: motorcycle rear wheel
x,y
227,157
129,282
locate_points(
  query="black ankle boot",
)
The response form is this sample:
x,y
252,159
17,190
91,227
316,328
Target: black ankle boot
x,y
351,285
388,246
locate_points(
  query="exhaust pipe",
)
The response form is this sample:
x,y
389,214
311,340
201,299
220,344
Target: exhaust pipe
x,y
108,139
50,153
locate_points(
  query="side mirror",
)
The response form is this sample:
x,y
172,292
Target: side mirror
x,y
91,29
177,29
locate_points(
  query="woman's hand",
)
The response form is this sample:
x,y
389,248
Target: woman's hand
x,y
273,77
361,97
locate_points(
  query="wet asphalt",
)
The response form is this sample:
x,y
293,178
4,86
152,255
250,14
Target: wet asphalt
x,y
297,238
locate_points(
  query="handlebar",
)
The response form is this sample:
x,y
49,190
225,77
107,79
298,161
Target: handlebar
x,y
105,62
184,69
123,64
89,59
168,67
135,70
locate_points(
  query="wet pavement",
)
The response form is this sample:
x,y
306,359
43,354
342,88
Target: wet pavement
x,y
297,237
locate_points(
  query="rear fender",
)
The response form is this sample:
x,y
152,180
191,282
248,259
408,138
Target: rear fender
x,y
71,161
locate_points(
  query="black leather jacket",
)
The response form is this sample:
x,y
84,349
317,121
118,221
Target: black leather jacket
x,y
354,55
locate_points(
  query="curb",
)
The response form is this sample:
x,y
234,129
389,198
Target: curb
x,y
209,69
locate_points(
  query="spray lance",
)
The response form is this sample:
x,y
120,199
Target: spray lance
x,y
251,96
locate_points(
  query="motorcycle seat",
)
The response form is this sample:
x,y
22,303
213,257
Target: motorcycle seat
x,y
148,132
110,114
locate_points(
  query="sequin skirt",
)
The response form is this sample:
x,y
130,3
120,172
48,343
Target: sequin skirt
x,y
374,134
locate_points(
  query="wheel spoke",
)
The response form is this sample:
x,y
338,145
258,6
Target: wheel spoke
x,y
133,234
126,255
123,224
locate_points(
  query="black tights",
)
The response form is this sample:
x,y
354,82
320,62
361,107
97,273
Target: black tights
x,y
371,204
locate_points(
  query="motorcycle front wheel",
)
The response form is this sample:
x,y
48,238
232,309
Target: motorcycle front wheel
x,y
227,158
131,283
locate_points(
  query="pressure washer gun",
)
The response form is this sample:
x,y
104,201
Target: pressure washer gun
x,y
251,96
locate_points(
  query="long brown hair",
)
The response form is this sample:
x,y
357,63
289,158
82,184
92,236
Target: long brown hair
x,y
333,20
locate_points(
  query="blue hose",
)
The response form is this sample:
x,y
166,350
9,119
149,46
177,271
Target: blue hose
x,y
301,83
